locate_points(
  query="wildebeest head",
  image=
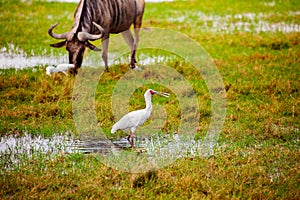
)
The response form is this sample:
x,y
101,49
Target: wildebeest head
x,y
76,43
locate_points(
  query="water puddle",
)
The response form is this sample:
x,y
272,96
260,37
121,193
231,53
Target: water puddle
x,y
14,149
19,60
246,22
57,143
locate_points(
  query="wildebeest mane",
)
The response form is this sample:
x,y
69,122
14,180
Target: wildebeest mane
x,y
85,14
93,10
77,16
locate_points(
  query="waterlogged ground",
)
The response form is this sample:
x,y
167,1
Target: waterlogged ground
x,y
159,149
20,60
246,22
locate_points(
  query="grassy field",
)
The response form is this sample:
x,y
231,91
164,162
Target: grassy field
x,y
256,48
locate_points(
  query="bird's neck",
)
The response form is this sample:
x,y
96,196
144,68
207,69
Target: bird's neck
x,y
148,104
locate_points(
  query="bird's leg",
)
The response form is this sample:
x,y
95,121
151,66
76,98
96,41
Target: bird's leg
x,y
132,139
131,136
128,138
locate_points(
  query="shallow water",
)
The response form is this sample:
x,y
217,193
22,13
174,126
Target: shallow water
x,y
9,59
58,142
20,61
245,22
14,149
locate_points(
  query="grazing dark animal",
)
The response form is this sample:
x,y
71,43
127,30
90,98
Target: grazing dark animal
x,y
95,19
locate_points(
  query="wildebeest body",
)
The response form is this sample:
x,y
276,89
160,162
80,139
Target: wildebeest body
x,y
95,19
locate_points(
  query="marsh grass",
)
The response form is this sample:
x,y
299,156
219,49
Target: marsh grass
x,y
258,152
28,105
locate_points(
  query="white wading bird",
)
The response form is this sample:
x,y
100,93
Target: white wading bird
x,y
59,68
136,118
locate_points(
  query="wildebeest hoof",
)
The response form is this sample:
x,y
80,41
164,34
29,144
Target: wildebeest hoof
x,y
136,68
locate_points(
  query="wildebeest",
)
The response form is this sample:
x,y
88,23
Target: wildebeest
x,y
95,19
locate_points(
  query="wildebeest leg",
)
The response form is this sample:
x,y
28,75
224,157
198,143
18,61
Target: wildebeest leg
x,y
105,52
136,41
130,41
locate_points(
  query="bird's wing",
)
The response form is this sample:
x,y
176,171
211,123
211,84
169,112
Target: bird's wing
x,y
132,119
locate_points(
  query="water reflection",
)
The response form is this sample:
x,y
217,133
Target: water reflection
x,y
64,143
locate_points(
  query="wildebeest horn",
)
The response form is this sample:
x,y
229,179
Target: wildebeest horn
x,y
84,36
67,35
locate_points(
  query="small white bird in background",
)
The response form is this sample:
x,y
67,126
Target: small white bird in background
x,y
136,118
59,68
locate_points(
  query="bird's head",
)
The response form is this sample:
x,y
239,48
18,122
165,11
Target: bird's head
x,y
152,92
50,70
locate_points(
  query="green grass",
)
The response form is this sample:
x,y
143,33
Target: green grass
x,y
258,152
